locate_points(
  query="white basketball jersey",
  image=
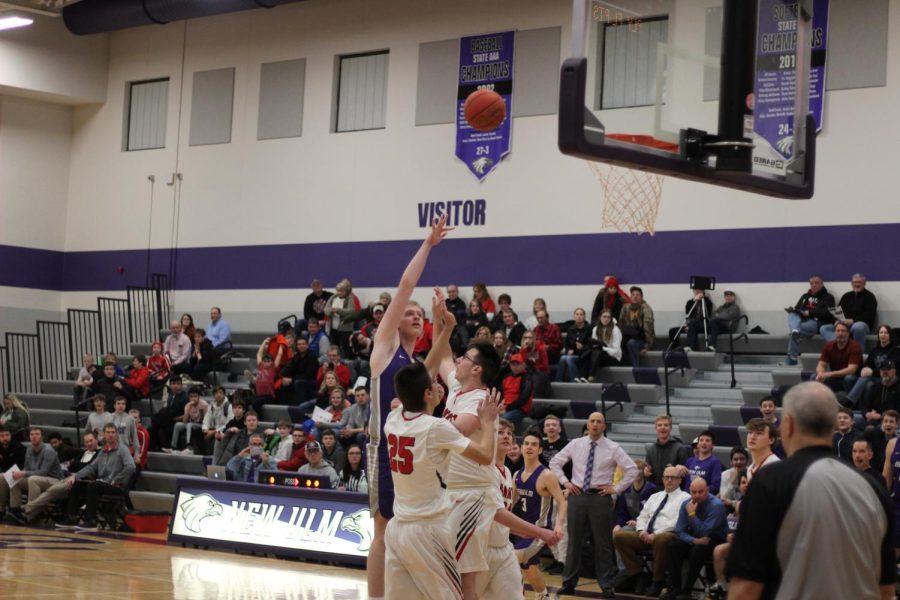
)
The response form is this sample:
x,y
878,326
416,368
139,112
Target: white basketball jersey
x,y
418,447
499,535
462,471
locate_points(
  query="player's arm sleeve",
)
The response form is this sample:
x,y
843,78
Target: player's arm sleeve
x,y
752,554
445,436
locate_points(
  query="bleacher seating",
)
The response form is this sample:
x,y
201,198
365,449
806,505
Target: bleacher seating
x,y
700,398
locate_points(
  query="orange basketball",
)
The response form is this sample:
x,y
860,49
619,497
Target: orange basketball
x,y
484,110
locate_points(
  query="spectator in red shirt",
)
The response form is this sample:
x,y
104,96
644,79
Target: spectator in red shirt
x,y
334,364
548,333
138,380
481,294
423,344
535,353
159,365
299,439
518,390
839,361
279,345
266,373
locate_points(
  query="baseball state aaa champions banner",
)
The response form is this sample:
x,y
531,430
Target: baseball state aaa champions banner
x,y
774,90
485,62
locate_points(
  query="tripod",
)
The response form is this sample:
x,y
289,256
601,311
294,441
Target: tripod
x,y
703,315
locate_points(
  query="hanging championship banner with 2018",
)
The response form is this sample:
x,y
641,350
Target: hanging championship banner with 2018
x,y
485,62
775,86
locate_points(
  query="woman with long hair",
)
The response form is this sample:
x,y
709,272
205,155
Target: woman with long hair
x,y
885,350
475,318
605,347
15,417
481,294
353,475
575,345
187,326
538,305
483,334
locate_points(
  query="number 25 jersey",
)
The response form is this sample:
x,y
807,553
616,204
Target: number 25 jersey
x,y
418,448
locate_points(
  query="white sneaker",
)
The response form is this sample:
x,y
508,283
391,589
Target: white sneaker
x,y
168,450
710,348
188,450
545,595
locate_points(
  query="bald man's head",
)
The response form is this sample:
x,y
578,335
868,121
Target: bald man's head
x,y
699,490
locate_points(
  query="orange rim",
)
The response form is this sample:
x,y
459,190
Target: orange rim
x,y
644,140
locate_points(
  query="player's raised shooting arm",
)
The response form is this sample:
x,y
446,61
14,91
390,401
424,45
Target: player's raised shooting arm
x,y
444,323
386,337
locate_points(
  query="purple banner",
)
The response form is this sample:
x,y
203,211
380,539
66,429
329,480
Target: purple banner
x,y
485,62
774,89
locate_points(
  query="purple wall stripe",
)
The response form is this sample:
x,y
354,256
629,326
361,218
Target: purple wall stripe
x,y
784,254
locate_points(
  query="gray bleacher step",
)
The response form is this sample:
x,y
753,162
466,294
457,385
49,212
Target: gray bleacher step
x,y
41,417
786,376
700,393
48,401
755,377
175,463
59,387
752,395
680,412
631,428
753,361
250,337
152,501
726,415
159,481
697,360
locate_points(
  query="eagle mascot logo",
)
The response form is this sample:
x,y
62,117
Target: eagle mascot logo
x,y
358,523
198,508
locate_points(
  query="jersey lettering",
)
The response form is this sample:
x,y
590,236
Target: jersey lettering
x,y
449,415
400,452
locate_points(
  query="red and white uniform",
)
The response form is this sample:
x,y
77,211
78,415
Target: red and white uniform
x,y
503,579
419,542
472,488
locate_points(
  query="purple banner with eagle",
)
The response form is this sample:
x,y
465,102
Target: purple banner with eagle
x,y
485,62
775,85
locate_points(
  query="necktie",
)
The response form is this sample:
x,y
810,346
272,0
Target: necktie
x,y
656,513
589,468
251,472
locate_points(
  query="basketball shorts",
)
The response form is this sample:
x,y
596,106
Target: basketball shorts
x,y
470,519
381,486
502,580
419,561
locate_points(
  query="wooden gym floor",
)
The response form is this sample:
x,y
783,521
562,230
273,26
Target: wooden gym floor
x,y
46,563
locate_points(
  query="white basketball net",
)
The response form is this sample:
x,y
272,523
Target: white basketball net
x,y
630,198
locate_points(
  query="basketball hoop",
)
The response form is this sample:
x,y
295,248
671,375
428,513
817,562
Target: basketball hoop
x,y
631,196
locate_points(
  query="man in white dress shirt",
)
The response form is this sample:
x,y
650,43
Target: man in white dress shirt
x,y
654,529
594,460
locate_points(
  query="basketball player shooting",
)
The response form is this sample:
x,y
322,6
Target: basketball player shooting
x,y
394,342
419,540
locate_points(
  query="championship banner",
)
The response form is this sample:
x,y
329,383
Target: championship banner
x,y
774,88
284,521
485,62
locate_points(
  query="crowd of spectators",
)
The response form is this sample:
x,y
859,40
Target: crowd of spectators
x,y
680,503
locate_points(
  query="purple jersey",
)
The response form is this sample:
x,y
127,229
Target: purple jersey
x,y
381,487
531,506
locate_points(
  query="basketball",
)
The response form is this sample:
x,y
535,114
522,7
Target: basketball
x,y
484,110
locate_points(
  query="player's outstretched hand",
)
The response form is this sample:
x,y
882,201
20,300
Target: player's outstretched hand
x,y
489,407
439,231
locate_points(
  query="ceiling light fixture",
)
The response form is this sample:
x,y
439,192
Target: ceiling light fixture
x,y
13,22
